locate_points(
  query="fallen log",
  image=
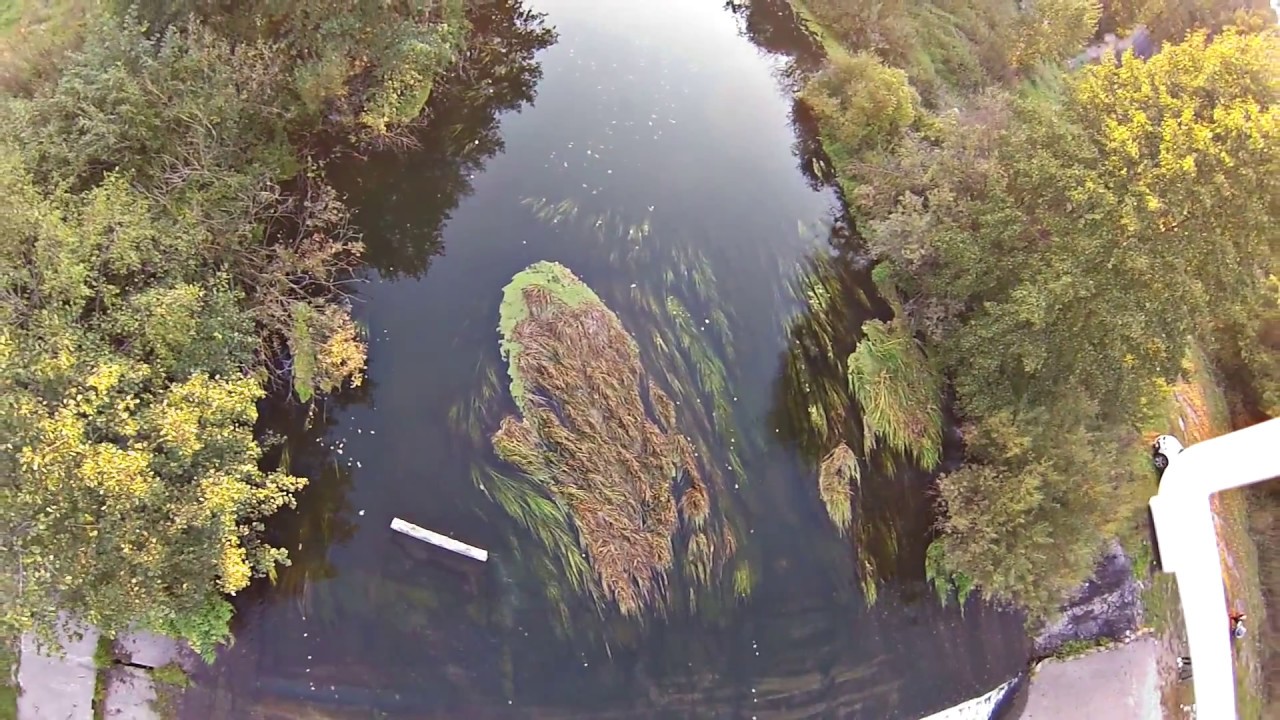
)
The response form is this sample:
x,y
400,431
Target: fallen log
x,y
425,535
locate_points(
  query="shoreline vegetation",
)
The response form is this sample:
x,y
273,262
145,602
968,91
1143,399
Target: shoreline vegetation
x,y
170,255
1059,241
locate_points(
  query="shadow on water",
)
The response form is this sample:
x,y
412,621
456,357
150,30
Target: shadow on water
x,y
403,227
687,193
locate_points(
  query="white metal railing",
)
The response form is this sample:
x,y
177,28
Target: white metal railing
x,y
1189,548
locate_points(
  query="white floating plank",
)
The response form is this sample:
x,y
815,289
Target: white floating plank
x,y
425,535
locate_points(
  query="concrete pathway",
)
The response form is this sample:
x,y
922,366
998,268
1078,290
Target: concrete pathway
x,y
130,695
150,650
1120,683
54,687
60,687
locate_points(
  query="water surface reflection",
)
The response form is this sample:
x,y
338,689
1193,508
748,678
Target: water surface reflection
x,y
675,116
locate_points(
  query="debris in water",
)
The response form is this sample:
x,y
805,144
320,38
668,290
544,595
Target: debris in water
x,y
433,538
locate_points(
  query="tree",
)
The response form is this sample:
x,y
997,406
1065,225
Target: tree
x,y
1027,518
129,485
1052,31
169,251
1087,235
1058,250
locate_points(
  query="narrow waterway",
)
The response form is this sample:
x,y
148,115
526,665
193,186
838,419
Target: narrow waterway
x,y
644,146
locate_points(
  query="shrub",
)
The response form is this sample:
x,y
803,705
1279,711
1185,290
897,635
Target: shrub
x,y
861,104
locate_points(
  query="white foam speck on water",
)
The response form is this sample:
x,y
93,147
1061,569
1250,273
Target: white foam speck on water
x,y
979,708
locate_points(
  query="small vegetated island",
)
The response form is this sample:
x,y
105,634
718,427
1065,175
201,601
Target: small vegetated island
x,y
600,436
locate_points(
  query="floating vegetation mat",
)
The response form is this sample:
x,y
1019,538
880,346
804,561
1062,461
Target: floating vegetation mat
x,y
624,442
585,433
600,438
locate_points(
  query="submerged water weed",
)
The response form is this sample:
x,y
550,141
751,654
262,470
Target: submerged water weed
x,y
944,581
547,518
898,391
584,434
816,401
743,579
817,407
606,225
469,416
684,339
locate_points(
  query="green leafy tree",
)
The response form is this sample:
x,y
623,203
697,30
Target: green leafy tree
x,y
129,483
1058,250
169,251
1052,31
1026,519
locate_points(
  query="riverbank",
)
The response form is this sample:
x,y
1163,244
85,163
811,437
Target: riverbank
x,y
925,136
952,156
1123,675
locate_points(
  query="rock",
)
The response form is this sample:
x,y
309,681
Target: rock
x,y
1107,607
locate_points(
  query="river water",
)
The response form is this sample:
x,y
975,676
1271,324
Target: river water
x,y
639,144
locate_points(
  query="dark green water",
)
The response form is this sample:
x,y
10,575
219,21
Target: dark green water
x,y
674,116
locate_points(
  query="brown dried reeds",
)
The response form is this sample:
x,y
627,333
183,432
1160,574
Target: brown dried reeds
x,y
837,475
586,434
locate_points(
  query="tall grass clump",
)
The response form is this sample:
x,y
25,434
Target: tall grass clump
x,y
898,391
837,476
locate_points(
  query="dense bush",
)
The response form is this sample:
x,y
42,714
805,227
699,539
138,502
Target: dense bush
x,y
861,104
1058,245
169,252
954,46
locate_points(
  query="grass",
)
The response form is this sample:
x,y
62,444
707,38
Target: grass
x,y
830,44
169,682
10,14
8,683
837,476
1075,648
34,35
1264,526
898,392
172,675
103,659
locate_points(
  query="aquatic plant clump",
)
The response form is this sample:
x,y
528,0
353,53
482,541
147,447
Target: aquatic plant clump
x,y
837,475
595,431
898,391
